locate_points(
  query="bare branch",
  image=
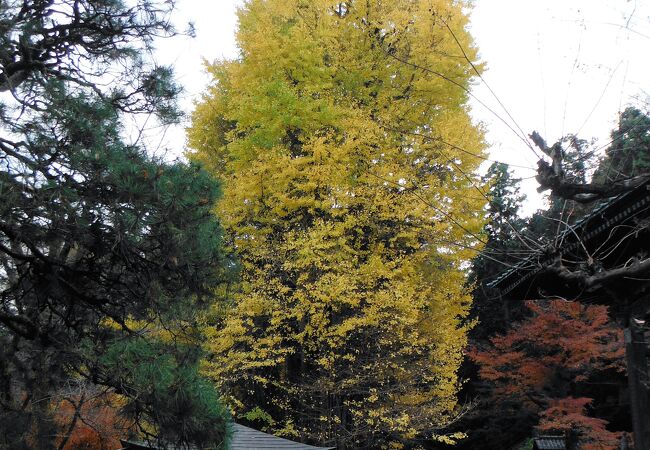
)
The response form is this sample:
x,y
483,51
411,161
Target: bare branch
x,y
553,177
592,282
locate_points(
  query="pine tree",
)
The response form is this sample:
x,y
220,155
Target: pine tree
x,y
628,155
351,215
506,245
102,245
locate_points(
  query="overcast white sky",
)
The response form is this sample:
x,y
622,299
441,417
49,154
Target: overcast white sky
x,y
558,66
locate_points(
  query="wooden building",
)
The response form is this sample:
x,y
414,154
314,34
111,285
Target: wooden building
x,y
603,258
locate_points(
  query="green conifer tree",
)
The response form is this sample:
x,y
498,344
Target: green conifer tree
x,y
628,155
506,246
106,253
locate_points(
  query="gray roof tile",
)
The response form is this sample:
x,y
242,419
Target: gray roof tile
x,y
250,439
245,438
550,443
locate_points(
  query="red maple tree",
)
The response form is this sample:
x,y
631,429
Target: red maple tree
x,y
540,362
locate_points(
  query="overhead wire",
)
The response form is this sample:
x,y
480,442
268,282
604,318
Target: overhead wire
x,y
489,88
569,84
467,177
484,158
519,132
449,217
600,98
611,76
466,90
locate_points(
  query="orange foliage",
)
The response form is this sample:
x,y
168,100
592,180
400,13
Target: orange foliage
x,y
539,361
566,337
90,424
568,415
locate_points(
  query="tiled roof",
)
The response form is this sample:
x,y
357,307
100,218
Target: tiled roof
x,y
243,438
250,439
549,443
632,204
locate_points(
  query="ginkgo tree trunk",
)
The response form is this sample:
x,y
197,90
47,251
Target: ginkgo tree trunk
x,y
343,137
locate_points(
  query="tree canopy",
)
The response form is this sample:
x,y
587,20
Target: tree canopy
x,y
506,245
106,252
540,369
347,152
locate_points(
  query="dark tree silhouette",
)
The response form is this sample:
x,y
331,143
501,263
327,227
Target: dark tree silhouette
x,y
101,244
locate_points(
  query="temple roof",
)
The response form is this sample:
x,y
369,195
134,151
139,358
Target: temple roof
x,y
242,438
608,224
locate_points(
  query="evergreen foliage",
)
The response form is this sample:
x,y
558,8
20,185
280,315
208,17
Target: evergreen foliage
x,y
168,392
506,245
95,234
628,155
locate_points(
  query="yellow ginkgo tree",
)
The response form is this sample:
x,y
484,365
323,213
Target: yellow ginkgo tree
x,y
343,137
